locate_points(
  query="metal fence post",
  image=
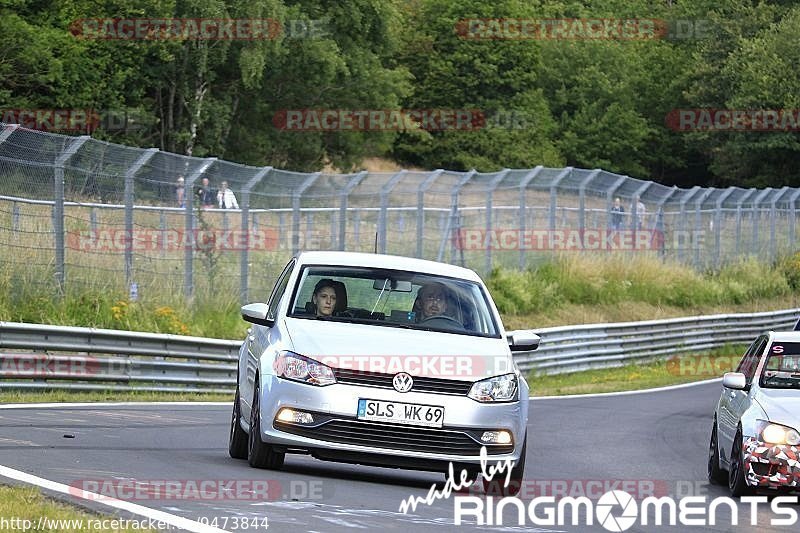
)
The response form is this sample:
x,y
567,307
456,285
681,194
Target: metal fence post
x,y
58,208
718,226
772,216
792,222
130,173
739,219
189,237
582,198
296,196
382,218
245,258
352,184
698,223
453,224
660,224
423,187
523,187
756,215
682,232
554,196
490,188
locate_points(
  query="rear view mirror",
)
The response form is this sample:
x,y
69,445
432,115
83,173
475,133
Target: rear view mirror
x,y
389,284
523,341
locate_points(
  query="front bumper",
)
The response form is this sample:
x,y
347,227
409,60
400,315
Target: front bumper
x,y
337,434
773,466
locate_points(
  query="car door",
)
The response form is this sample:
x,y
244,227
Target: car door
x,y
257,339
732,401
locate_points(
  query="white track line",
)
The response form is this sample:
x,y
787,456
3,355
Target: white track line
x,y
623,393
155,515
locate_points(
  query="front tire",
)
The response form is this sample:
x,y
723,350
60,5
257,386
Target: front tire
x,y
716,476
737,483
260,454
237,441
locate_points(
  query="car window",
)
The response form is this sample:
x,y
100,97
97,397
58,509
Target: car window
x,y
749,362
782,368
279,290
394,298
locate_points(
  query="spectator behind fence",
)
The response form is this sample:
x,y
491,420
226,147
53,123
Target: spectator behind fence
x,y
180,192
226,198
206,194
617,214
641,213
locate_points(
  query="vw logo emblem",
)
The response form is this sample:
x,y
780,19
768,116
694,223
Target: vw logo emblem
x,y
402,382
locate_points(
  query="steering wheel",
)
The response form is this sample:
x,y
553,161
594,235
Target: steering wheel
x,y
447,322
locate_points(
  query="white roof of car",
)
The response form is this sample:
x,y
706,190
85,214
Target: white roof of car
x,y
394,262
786,336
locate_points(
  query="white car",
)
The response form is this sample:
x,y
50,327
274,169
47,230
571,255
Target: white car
x,y
380,360
755,434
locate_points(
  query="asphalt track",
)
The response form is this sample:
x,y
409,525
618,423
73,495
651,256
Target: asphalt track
x,y
654,442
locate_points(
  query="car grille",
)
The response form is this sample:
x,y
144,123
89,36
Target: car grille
x,y
395,437
384,381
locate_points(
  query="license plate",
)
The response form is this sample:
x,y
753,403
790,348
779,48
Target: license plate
x,y
401,413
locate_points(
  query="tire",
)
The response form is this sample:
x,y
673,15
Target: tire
x,y
716,475
260,454
496,485
736,478
237,441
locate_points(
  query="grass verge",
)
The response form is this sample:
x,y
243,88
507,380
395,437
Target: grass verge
x,y
22,508
61,396
671,371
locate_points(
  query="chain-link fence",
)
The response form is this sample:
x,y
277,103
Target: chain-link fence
x,y
76,212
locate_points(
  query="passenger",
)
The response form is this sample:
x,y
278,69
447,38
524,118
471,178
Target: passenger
x,y
329,298
324,297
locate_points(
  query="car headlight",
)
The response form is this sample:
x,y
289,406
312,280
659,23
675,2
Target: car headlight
x,y
778,434
303,369
497,389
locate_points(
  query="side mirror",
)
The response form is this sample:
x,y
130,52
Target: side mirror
x,y
523,341
734,380
257,314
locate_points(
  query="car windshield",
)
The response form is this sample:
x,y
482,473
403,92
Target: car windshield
x,y
393,298
782,369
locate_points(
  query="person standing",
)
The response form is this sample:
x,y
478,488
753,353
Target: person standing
x,y
226,198
180,192
617,214
206,195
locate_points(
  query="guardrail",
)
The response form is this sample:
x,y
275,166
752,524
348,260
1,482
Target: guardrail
x,y
173,363
127,360
574,348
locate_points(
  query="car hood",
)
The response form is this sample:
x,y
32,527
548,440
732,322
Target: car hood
x,y
387,349
782,406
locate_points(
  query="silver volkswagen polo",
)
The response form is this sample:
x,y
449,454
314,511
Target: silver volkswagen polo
x,y
380,360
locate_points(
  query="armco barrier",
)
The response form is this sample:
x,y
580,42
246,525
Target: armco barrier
x,y
60,357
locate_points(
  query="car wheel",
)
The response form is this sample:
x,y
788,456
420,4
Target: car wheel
x,y
260,454
496,485
716,476
736,478
237,442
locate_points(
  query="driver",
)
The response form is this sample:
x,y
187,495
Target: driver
x,y
431,301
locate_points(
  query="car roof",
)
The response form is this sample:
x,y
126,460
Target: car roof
x,y
785,336
393,262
